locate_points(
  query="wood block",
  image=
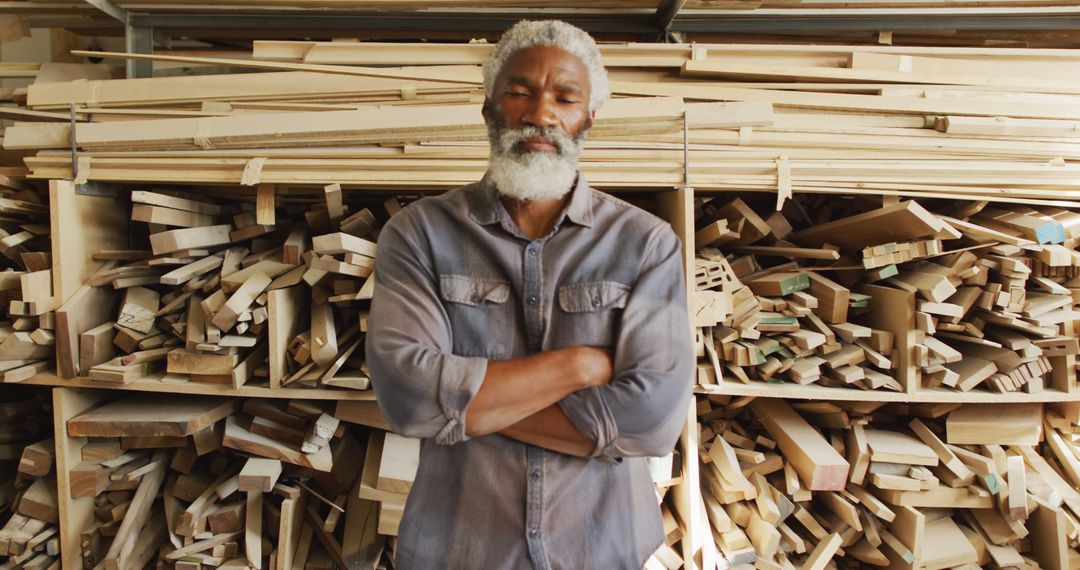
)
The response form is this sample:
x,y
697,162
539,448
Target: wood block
x,y
137,312
341,243
400,460
264,205
259,475
182,361
818,463
96,345
779,284
39,501
945,546
37,459
36,286
895,447
227,316
994,424
190,238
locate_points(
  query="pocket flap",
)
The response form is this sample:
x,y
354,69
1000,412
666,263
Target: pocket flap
x,y
473,290
589,296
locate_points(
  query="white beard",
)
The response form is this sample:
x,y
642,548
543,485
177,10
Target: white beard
x,y
532,176
538,175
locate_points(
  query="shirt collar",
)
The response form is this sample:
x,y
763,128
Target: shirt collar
x,y
486,207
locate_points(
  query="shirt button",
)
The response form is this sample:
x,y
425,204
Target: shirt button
x,y
532,299
532,251
534,533
596,301
474,298
535,475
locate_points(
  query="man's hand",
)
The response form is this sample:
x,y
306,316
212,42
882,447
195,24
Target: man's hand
x,y
517,388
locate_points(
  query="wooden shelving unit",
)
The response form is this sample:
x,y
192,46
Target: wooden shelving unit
x,y
87,219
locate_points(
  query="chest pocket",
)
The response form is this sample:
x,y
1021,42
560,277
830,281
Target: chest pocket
x,y
479,314
590,312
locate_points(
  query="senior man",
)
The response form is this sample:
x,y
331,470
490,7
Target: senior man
x,y
534,333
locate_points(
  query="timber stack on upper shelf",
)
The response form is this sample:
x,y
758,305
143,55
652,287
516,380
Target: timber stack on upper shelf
x,y
925,122
875,484
853,293
28,500
1012,23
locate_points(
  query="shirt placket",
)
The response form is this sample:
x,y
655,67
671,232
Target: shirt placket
x,y
534,328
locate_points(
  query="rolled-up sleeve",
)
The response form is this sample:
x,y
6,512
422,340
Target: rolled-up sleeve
x,y
642,410
422,388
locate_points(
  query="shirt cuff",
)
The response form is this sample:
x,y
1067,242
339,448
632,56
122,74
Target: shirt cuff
x,y
459,381
589,413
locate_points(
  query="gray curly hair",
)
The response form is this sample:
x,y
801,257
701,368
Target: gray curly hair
x,y
526,34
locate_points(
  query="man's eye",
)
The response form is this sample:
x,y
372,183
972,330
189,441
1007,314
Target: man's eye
x,y
516,94
568,101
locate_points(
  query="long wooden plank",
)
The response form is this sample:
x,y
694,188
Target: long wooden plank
x,y
147,415
900,222
875,103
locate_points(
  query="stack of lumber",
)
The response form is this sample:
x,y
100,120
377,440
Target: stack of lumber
x,y
229,291
26,293
872,484
252,483
887,294
28,499
881,120
330,483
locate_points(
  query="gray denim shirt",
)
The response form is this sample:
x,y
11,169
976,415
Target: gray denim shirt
x,y
458,284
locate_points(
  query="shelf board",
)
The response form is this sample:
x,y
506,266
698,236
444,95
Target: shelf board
x,y
153,384
815,392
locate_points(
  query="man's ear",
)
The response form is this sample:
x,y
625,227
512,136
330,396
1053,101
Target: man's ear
x,y
485,110
592,116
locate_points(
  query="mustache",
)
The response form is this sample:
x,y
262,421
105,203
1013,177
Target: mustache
x,y
509,139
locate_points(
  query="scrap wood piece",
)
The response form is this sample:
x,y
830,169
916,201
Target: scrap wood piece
x,y
822,553
326,539
116,557
819,465
905,221
896,447
945,545
138,309
150,415
982,424
400,460
259,475
236,437
253,516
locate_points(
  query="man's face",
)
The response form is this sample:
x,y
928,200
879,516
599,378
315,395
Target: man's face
x,y
537,121
546,87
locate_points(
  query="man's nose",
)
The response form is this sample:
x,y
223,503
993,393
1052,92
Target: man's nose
x,y
541,113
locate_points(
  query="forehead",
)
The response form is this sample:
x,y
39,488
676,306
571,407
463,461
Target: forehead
x,y
537,63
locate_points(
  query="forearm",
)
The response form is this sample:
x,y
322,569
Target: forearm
x,y
549,428
517,388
